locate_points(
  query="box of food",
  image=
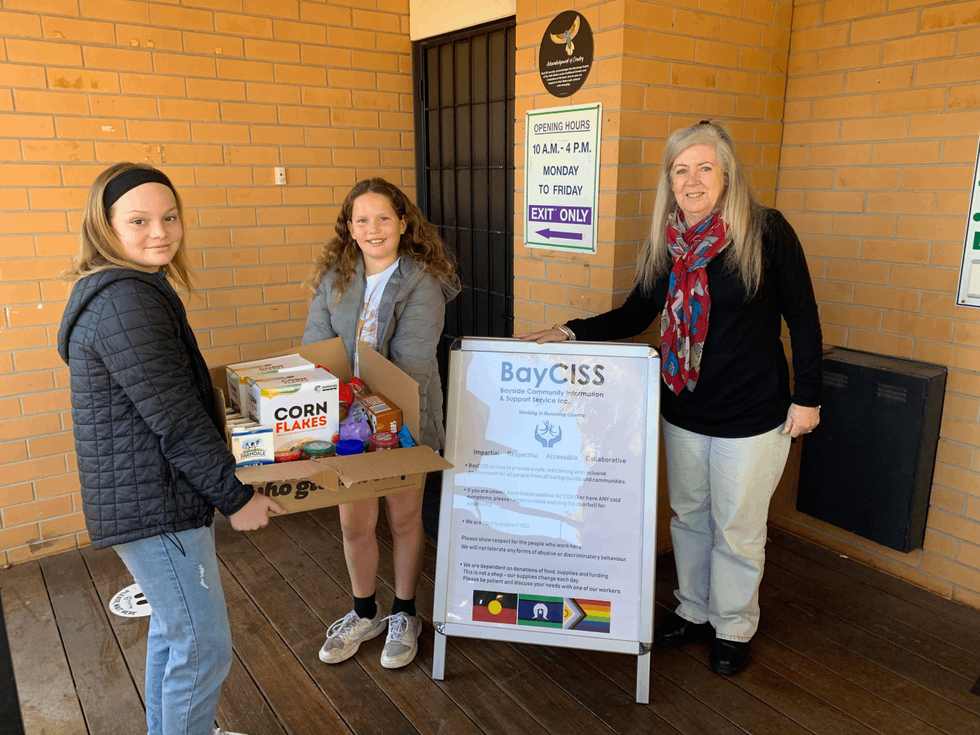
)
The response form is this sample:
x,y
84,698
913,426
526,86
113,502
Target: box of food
x,y
382,412
252,445
300,407
309,484
236,376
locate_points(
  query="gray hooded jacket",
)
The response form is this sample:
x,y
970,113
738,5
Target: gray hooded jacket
x,y
410,322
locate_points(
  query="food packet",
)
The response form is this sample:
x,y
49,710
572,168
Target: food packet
x,y
356,425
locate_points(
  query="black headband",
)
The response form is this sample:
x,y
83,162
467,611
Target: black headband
x,y
130,180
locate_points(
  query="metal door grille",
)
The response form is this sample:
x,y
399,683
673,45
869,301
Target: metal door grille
x,y
464,121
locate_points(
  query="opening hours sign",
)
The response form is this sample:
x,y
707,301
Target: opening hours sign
x,y
561,177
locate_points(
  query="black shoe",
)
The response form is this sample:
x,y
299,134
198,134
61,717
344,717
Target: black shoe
x,y
729,657
675,631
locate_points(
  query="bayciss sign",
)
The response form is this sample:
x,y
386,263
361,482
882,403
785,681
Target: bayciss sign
x,y
561,177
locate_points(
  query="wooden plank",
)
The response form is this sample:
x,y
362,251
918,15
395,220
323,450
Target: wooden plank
x,y
106,690
297,701
942,606
771,689
295,597
855,639
411,689
611,704
954,636
872,711
916,703
904,649
539,696
48,702
793,625
241,706
671,703
110,575
721,694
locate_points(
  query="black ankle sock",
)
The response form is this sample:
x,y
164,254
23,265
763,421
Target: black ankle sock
x,y
405,606
366,607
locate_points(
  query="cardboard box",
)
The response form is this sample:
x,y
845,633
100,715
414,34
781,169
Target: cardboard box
x,y
382,413
309,484
237,373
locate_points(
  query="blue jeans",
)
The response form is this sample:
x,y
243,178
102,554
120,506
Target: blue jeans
x,y
188,652
720,490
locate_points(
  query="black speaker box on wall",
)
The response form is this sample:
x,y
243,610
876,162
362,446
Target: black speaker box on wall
x,y
868,466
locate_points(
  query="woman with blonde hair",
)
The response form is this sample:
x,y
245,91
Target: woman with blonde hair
x,y
384,279
716,256
152,463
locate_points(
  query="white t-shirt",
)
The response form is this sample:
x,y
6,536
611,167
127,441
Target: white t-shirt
x,y
367,325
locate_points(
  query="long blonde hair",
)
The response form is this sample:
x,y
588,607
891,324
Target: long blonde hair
x,y
740,210
99,248
420,240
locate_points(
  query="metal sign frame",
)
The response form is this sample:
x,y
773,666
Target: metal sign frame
x,y
646,505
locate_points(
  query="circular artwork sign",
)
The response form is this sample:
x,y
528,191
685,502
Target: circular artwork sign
x,y
566,54
130,603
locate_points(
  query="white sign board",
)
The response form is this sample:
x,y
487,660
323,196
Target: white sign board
x,y
968,293
548,522
561,177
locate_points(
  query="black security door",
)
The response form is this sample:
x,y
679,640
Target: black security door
x,y
464,150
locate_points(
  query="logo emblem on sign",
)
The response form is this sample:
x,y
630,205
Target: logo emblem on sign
x,y
548,435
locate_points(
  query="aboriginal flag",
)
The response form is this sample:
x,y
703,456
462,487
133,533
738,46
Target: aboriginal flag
x,y
494,607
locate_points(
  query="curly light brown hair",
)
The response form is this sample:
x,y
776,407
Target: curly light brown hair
x,y
420,240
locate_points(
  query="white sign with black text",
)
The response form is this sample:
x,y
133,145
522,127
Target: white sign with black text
x,y
561,177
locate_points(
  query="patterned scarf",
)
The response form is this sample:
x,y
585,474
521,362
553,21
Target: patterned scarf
x,y
684,323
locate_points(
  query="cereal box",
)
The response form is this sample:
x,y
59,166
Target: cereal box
x,y
299,406
240,371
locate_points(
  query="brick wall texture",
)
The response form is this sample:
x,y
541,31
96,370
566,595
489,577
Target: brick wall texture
x,y
858,118
216,93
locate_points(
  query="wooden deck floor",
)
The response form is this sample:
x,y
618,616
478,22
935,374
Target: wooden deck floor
x,y
843,650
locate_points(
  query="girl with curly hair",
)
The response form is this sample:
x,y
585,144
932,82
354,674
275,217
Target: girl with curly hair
x,y
385,279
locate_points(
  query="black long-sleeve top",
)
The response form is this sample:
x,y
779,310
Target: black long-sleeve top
x,y
743,389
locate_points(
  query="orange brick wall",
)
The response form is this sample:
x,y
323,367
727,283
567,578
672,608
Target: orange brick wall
x,y
880,139
217,93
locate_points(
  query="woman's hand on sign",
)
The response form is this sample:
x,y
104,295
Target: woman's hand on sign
x,y
545,335
255,513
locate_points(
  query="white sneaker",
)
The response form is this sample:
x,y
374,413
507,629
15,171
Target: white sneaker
x,y
219,731
344,637
403,640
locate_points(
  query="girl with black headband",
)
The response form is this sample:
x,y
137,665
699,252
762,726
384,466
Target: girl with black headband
x,y
152,463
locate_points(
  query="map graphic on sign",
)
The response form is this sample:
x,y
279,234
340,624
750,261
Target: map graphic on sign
x,y
561,177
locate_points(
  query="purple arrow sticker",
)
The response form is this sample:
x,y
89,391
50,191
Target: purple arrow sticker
x,y
549,233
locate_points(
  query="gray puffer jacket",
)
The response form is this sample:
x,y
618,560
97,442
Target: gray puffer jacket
x,y
410,321
150,457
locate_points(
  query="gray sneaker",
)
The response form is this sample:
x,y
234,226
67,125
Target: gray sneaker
x,y
403,640
345,636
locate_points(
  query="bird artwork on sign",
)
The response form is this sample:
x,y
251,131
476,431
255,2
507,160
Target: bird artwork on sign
x,y
567,36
